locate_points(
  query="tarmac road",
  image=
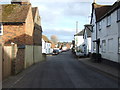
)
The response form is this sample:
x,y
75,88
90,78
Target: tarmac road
x,y
64,71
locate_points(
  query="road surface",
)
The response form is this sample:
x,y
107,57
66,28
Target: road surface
x,y
64,71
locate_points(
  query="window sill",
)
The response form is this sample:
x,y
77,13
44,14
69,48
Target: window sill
x,y
118,21
103,52
108,25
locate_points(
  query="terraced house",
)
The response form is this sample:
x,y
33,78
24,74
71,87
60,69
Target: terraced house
x,y
21,34
106,31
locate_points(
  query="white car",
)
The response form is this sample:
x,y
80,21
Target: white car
x,y
79,54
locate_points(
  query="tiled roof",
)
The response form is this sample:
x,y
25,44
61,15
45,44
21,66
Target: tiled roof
x,y
101,10
34,9
45,38
14,13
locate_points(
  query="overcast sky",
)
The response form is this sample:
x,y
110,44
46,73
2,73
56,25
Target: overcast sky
x,y
58,17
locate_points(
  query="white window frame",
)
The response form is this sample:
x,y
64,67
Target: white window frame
x,y
94,46
118,14
119,45
108,20
109,48
1,29
104,46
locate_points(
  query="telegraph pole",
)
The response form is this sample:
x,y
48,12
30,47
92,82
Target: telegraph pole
x,y
76,26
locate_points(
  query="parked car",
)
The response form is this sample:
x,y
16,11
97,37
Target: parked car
x,y
55,52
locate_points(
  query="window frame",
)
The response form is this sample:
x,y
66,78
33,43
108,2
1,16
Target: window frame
x,y
118,45
1,29
103,46
108,21
118,14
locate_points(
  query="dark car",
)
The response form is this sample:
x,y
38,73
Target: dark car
x,y
55,52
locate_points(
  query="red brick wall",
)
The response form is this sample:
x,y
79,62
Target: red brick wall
x,y
13,33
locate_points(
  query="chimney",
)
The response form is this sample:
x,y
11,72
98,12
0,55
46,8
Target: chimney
x,y
21,2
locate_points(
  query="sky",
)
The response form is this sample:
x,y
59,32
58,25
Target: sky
x,y
58,17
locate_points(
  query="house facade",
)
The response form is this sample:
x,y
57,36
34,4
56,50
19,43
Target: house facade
x,y
105,32
87,39
78,38
37,35
46,45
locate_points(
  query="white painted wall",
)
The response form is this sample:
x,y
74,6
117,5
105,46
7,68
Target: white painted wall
x,y
43,46
46,47
119,36
110,34
87,43
93,34
78,41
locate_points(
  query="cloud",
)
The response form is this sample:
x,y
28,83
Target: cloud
x,y
62,34
78,9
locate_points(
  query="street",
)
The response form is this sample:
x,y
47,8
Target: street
x,y
64,71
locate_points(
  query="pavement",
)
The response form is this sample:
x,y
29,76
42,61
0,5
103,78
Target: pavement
x,y
102,67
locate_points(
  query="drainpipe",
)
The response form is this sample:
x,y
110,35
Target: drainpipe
x,y
96,39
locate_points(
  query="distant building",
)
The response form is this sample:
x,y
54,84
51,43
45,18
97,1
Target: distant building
x,y
87,39
78,38
46,45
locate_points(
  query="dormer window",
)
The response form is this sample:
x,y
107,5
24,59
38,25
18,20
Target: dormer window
x,y
108,20
1,29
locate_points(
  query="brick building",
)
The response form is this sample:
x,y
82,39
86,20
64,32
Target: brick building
x,y
21,35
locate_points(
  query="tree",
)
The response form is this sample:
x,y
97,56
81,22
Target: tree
x,y
54,39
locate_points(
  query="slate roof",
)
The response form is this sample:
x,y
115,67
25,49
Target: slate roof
x,y
14,13
80,33
102,11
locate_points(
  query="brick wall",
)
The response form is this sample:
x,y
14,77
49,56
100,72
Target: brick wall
x,y
19,62
13,33
19,33
37,35
29,26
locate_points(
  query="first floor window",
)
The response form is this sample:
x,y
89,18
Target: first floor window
x,y
119,45
108,20
1,29
110,45
118,14
103,46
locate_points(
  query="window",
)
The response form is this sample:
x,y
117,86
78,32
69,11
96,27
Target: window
x,y
110,45
99,25
118,14
119,45
108,20
103,46
94,46
1,29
